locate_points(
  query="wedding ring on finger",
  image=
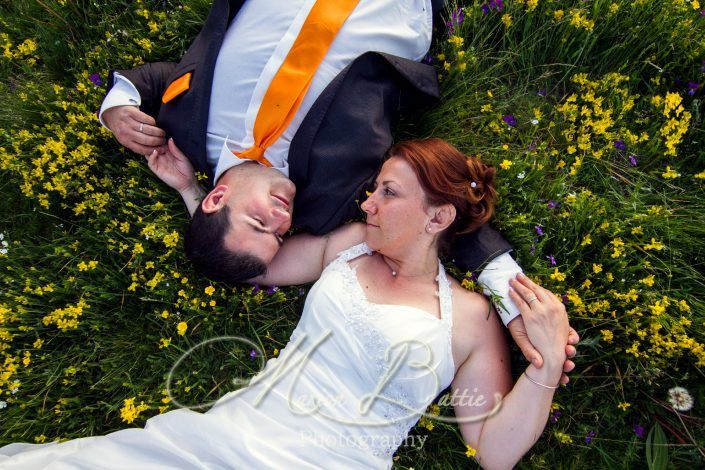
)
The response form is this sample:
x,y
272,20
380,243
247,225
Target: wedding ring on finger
x,y
141,128
532,299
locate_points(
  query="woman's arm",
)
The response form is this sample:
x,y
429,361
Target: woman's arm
x,y
523,412
302,257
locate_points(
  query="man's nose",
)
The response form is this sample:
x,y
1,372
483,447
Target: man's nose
x,y
279,216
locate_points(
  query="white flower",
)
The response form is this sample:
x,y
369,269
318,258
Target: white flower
x,y
680,399
3,251
521,175
3,404
2,236
535,122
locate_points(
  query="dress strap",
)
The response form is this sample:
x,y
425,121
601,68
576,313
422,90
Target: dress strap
x,y
445,294
354,251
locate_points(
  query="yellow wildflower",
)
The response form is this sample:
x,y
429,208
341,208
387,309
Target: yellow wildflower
x,y
607,335
558,15
557,275
683,306
506,164
181,328
648,280
507,20
670,173
209,290
624,405
654,245
596,268
470,452
130,412
586,241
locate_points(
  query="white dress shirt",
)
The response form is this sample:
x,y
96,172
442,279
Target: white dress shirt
x,y
255,46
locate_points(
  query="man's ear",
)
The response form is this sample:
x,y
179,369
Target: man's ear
x,y
442,217
214,200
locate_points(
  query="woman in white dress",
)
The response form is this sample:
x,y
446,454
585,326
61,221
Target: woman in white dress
x,y
384,330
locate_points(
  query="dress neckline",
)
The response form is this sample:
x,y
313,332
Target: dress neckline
x,y
444,290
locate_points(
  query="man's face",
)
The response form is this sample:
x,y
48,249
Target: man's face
x,y
261,203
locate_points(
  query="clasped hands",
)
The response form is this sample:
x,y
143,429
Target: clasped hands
x,y
542,331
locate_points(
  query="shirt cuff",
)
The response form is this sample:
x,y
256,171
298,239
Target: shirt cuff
x,y
495,283
123,93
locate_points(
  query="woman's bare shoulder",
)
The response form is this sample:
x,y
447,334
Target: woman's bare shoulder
x,y
467,302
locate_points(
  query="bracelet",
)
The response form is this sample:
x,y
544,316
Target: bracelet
x,y
539,383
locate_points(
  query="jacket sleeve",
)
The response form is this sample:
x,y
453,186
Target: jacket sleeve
x,y
150,80
473,251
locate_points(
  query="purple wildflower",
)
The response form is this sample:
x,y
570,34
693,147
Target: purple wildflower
x,y
620,145
428,59
553,204
542,93
589,436
551,259
539,230
498,4
638,430
256,288
95,78
485,8
510,120
472,277
253,354
456,17
533,249
692,88
632,160
564,298
302,291
272,289
554,416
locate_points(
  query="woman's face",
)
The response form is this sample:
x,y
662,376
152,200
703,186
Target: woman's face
x,y
397,215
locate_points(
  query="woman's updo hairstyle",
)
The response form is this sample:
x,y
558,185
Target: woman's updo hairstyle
x,y
448,176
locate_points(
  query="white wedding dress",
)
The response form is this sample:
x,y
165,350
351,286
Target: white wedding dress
x,y
372,368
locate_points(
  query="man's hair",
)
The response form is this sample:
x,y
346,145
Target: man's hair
x,y
204,244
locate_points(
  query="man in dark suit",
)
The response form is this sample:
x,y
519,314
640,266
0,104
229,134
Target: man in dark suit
x,y
322,162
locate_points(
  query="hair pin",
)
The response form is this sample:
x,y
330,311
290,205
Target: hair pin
x,y
473,185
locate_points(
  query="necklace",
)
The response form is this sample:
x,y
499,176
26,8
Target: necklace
x,y
394,272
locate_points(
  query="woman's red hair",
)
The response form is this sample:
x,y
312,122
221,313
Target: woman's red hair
x,y
446,176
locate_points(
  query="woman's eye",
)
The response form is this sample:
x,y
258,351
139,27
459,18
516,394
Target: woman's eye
x,y
388,192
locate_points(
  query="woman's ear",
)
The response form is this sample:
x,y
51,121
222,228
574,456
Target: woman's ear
x,y
442,217
215,200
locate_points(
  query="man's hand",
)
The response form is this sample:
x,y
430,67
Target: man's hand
x,y
518,331
175,169
134,129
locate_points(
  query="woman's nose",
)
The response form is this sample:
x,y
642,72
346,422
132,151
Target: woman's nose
x,y
368,205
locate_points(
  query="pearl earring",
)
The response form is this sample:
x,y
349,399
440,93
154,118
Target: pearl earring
x,y
428,229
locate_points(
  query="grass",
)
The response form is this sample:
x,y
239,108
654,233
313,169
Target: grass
x,y
95,287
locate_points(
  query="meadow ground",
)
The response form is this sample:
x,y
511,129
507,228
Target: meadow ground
x,y
592,112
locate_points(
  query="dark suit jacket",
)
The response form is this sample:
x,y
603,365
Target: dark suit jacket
x,y
340,144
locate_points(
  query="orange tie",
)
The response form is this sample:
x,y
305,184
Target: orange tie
x,y
289,85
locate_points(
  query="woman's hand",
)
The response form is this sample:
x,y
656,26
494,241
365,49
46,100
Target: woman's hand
x,y
545,319
173,167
